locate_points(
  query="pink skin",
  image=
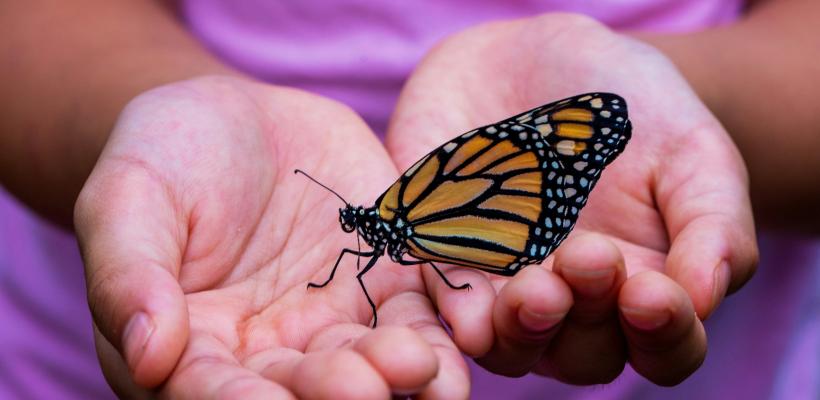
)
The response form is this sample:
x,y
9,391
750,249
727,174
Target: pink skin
x,y
199,240
667,232
194,218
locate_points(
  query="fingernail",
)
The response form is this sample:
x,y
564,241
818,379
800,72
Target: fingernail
x,y
137,333
537,322
644,319
721,285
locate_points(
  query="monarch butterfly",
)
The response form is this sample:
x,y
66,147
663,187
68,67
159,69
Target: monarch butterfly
x,y
496,198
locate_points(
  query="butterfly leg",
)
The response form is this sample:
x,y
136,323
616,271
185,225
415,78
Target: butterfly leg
x,y
367,267
441,274
333,271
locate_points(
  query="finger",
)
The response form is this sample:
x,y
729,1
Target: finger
x,y
468,312
408,360
401,356
526,316
334,337
703,196
338,374
276,364
279,363
129,244
665,339
210,371
589,348
452,377
116,372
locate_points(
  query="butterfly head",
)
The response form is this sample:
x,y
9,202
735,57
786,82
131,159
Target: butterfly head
x,y
349,217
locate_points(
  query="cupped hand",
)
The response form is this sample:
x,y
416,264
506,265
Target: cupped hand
x,y
667,232
199,242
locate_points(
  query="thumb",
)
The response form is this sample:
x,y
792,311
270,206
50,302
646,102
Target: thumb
x,y
703,194
128,235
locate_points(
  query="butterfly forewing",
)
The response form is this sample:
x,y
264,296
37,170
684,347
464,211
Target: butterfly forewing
x,y
505,195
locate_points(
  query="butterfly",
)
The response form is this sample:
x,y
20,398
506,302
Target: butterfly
x,y
496,198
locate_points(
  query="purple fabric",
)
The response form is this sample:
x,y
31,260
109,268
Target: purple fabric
x,y
764,341
46,338
360,51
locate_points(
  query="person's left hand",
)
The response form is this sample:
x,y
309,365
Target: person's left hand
x,y
668,230
199,243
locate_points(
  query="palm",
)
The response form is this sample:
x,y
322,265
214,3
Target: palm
x,y
653,202
206,169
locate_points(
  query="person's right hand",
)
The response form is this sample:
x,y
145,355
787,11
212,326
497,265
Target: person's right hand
x,y
199,242
667,232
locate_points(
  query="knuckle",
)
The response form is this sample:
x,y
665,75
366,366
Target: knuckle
x,y
102,285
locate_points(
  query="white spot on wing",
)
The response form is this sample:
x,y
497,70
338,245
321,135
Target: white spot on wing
x,y
596,103
415,166
524,118
545,129
566,147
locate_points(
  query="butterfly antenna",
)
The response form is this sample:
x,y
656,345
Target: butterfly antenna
x,y
299,171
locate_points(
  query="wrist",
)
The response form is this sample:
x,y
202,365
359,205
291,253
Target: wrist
x,y
696,60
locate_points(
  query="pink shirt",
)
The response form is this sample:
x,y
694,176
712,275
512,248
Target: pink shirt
x,y
360,51
764,341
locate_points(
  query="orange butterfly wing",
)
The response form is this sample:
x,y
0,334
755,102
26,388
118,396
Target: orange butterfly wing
x,y
505,195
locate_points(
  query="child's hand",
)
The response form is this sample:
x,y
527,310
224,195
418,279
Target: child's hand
x,y
199,242
668,230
